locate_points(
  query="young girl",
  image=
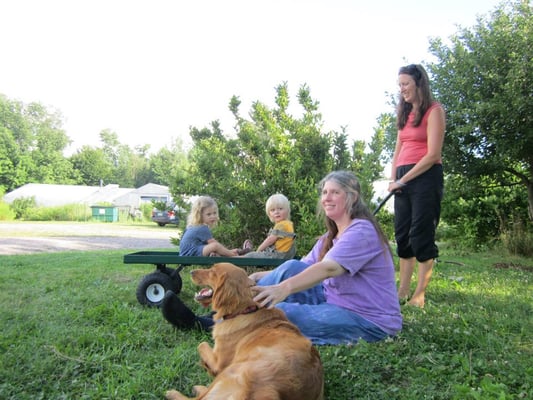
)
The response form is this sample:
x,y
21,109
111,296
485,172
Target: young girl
x,y
280,240
197,240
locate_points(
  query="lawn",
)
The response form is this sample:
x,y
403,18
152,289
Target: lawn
x,y
72,329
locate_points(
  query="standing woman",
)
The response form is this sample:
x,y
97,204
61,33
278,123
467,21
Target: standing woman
x,y
417,180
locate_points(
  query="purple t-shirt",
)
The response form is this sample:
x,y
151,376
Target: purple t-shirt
x,y
368,288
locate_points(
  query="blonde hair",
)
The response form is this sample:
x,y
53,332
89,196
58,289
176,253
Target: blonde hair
x,y
198,207
278,200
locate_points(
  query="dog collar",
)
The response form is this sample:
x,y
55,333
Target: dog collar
x,y
248,310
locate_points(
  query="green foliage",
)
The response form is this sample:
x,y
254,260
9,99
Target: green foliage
x,y
92,165
386,222
129,168
67,212
146,209
77,332
476,212
366,162
113,162
484,79
160,205
518,239
6,212
168,164
31,145
273,152
23,207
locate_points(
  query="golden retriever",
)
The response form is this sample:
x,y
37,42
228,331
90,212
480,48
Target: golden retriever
x,y
258,354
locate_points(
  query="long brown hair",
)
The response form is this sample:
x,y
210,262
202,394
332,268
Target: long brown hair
x,y
354,202
420,76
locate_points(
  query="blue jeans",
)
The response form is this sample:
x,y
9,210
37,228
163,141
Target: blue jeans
x,y
321,322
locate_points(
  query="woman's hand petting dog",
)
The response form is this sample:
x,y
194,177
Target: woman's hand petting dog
x,y
269,296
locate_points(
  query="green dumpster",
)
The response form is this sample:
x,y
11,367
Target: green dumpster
x,y
105,214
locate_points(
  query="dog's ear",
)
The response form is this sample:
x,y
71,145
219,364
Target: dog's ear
x,y
251,282
232,292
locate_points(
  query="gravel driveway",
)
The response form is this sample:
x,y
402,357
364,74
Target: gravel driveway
x,y
37,237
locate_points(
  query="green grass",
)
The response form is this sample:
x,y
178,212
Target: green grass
x,y
71,328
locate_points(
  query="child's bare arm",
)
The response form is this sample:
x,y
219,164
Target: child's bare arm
x,y
269,241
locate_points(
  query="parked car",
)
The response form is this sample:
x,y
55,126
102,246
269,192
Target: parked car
x,y
165,217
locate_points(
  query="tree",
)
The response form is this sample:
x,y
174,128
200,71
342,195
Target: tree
x,y
93,166
368,162
32,142
50,140
129,168
271,152
485,80
341,153
168,165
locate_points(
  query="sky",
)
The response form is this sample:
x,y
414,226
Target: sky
x,y
149,70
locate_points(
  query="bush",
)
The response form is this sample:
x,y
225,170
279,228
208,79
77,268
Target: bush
x,y
386,222
6,213
68,212
518,240
22,206
146,209
308,227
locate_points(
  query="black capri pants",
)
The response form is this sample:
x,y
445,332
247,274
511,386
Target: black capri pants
x,y
417,213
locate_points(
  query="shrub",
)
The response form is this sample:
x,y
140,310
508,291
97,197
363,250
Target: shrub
x,y
68,212
386,222
6,213
518,239
146,209
22,206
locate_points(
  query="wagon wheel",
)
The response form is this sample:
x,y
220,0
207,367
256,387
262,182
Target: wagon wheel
x,y
152,288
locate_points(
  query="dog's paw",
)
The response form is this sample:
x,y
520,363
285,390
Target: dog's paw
x,y
207,369
199,390
174,395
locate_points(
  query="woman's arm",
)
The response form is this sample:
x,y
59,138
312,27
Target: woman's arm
x,y
269,296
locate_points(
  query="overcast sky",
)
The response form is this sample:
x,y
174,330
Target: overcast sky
x,y
148,70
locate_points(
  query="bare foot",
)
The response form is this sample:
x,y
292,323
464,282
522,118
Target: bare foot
x,y
417,302
403,296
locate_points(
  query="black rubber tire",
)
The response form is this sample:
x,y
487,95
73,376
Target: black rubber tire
x,y
152,288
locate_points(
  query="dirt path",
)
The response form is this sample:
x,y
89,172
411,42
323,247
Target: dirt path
x,y
31,237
